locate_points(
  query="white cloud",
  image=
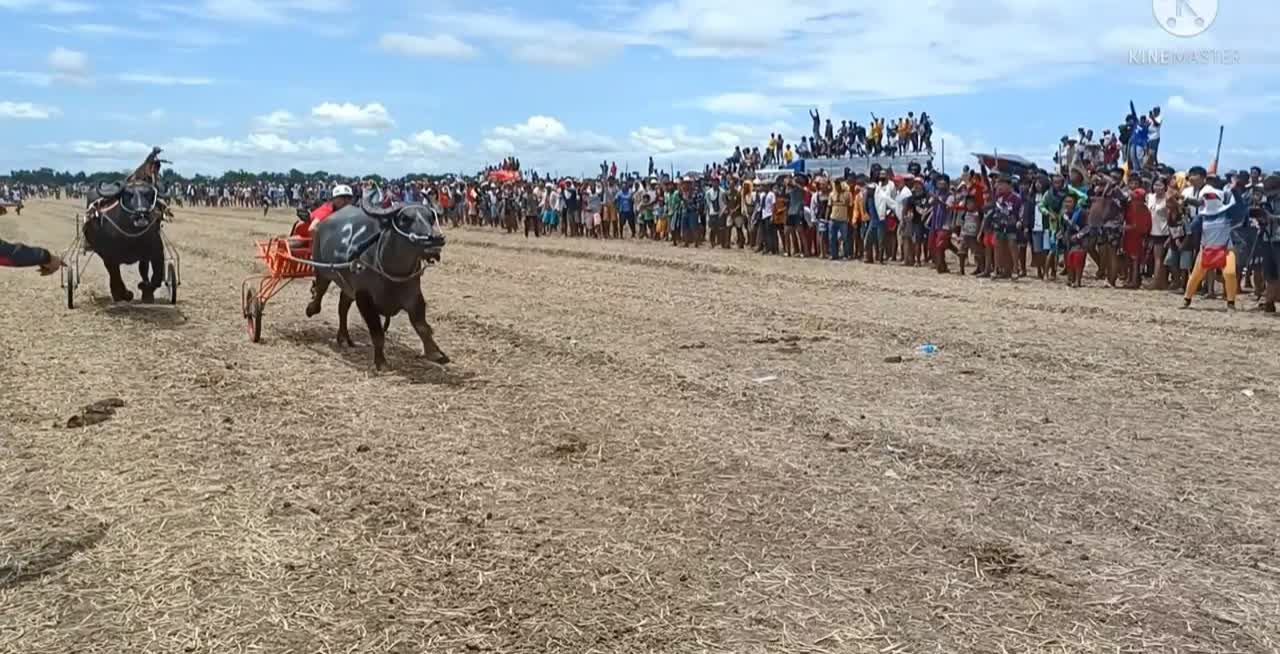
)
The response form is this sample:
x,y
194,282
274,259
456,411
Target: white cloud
x,y
94,29
155,115
1181,104
422,145
538,130
163,80
440,46
72,67
25,77
69,7
1225,108
372,116
555,54
800,50
270,12
719,142
272,143
276,121
545,134
537,40
498,147
108,149
743,104
69,65
56,7
26,111
190,39
253,147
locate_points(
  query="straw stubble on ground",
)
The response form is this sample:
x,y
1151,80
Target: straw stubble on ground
x,y
598,471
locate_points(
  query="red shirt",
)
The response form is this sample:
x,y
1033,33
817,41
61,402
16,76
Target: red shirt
x,y
303,230
321,212
1137,218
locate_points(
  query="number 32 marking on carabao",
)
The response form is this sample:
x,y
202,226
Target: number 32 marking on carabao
x,y
349,236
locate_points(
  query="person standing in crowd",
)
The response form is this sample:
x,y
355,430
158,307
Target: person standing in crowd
x,y
874,198
749,216
532,207
839,245
1137,228
1026,217
1244,234
1269,241
626,209
1157,241
970,233
732,209
1007,211
571,222
939,223
776,208
1153,136
1217,251
645,201
795,216
1076,236
857,216
1106,224
674,211
690,207
712,205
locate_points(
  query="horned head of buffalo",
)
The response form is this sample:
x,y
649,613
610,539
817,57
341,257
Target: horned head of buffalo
x,y
418,224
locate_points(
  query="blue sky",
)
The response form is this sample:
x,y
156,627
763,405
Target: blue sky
x,y
392,87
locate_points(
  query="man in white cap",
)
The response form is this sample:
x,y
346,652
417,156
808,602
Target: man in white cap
x,y
340,198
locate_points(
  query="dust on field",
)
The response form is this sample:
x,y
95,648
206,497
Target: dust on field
x,y
637,449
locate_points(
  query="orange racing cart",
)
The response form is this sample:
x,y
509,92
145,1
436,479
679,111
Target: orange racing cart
x,y
287,258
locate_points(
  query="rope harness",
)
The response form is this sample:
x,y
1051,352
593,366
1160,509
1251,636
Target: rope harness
x,y
99,211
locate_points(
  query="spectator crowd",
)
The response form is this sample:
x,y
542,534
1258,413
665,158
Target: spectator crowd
x,y
1107,201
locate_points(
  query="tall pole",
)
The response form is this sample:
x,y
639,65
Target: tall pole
x,y
1217,151
944,156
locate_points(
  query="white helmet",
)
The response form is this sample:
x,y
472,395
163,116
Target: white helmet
x,y
342,190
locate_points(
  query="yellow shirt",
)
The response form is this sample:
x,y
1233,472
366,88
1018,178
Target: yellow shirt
x,y
859,207
787,156
840,206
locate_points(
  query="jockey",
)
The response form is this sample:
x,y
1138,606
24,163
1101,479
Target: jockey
x,y
341,197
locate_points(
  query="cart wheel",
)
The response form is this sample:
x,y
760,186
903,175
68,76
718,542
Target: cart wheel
x,y
171,280
69,281
253,316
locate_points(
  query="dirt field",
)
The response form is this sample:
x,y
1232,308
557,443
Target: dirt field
x,y
598,471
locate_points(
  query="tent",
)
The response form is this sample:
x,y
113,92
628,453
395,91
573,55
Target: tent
x,y
1010,164
503,176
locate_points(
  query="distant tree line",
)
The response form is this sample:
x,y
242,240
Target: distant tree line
x,y
51,177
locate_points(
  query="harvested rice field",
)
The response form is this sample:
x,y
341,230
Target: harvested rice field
x,y
636,449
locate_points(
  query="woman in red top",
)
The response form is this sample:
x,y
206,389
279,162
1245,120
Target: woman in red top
x,y
1137,224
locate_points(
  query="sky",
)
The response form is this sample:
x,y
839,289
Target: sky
x,y
393,87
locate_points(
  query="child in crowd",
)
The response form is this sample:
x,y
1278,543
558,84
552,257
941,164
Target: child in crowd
x,y
1077,238
970,220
